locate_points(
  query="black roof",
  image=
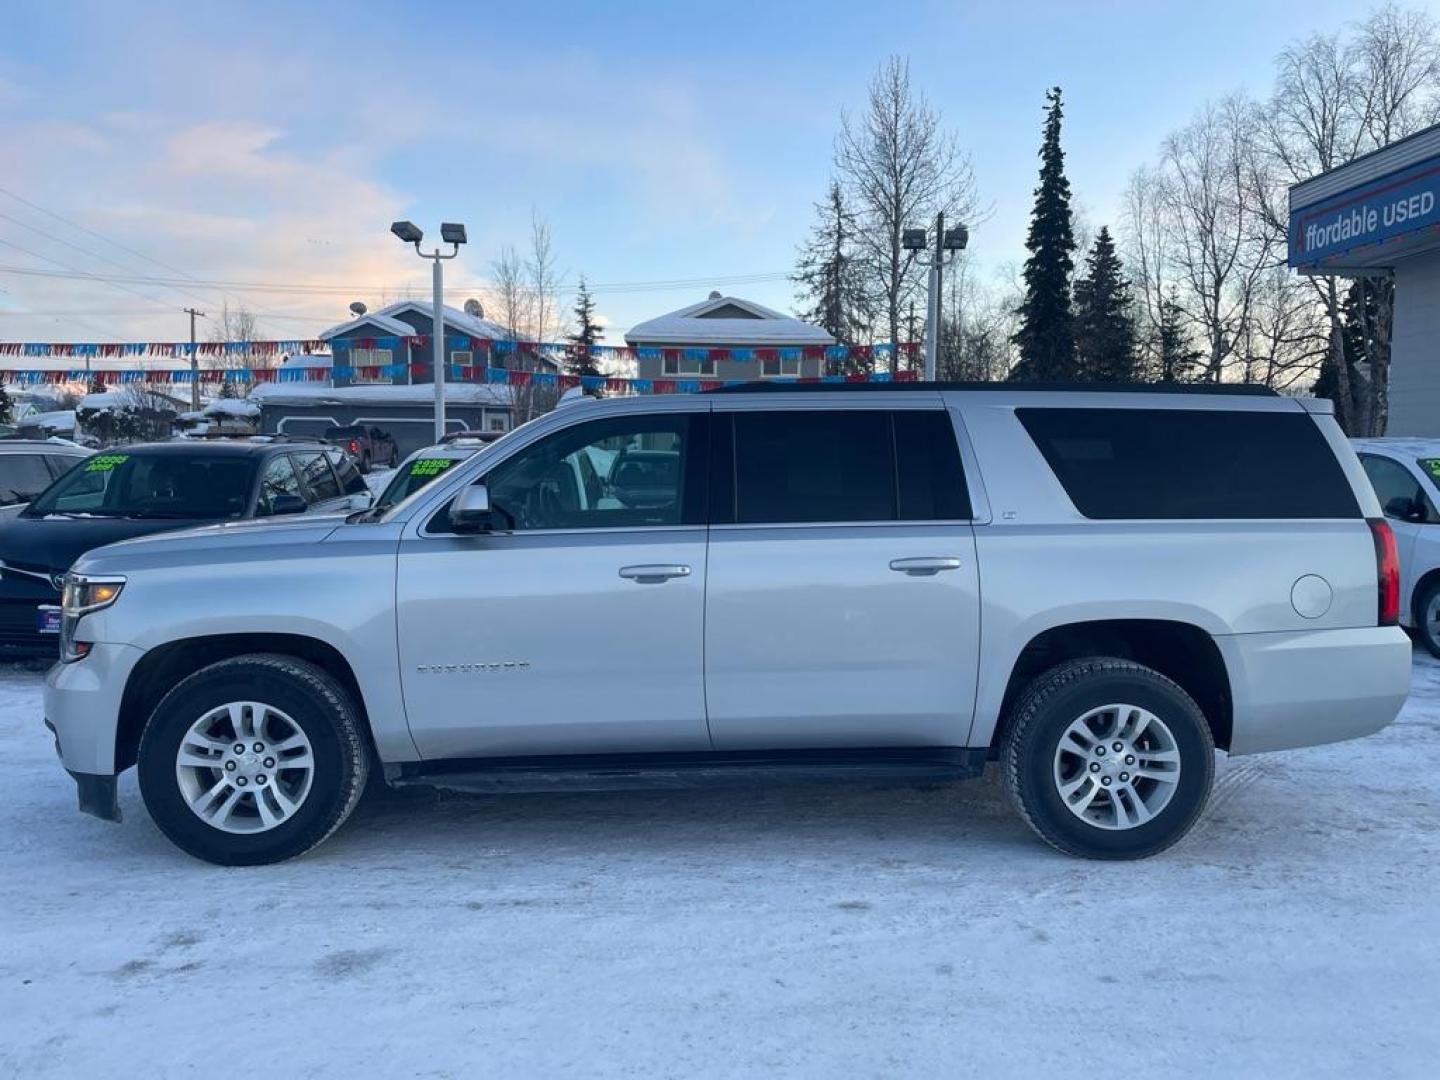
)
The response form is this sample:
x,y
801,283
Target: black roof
x,y
1228,389
241,447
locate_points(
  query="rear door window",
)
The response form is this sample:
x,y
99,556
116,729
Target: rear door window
x,y
1191,463
814,466
22,477
317,476
351,482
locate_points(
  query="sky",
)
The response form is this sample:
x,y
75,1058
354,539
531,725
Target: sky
x,y
256,153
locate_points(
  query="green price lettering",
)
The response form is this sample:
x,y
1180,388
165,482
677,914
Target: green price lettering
x,y
105,462
430,466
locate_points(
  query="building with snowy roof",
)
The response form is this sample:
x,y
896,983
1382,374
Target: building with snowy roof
x,y
405,413
382,339
677,342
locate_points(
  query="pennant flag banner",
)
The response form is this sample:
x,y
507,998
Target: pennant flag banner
x,y
492,356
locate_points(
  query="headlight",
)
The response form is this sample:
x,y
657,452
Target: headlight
x,y
81,596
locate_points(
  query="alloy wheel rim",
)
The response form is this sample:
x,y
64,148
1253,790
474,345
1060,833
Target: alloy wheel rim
x,y
1117,766
245,767
1432,616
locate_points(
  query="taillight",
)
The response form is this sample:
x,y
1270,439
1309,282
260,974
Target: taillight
x,y
1387,566
354,446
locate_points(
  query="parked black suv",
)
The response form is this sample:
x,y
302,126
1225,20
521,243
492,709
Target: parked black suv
x,y
137,490
369,446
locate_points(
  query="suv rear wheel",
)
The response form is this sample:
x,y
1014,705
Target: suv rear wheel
x,y
1427,617
253,760
1108,759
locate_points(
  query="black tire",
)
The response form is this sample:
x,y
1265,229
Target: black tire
x,y
1045,709
365,464
1424,632
313,700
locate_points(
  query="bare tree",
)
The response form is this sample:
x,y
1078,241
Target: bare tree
x,y
512,293
233,324
543,281
899,168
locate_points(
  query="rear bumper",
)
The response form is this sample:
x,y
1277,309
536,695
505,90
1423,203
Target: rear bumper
x,y
1314,686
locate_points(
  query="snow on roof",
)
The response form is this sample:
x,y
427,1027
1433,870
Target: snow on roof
x,y
234,407
710,322
63,420
379,394
455,319
109,400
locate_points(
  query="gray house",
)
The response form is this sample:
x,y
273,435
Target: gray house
x,y
407,413
382,339
771,345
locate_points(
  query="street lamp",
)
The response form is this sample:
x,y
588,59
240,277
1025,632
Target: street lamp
x,y
453,234
946,240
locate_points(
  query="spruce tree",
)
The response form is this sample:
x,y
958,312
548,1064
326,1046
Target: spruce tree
x,y
1104,329
1176,360
7,406
1046,336
581,354
833,292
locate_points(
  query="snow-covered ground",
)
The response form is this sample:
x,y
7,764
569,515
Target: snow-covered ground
x,y
836,932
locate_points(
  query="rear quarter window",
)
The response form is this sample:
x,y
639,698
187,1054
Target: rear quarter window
x,y
1190,463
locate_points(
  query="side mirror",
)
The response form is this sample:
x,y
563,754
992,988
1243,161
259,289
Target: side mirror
x,y
288,504
470,513
1405,509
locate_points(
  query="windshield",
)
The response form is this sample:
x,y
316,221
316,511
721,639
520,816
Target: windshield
x,y
1431,467
151,485
411,477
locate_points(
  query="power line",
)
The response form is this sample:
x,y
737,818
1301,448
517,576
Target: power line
x,y
353,288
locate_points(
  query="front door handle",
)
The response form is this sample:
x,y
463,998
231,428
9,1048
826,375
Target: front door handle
x,y
652,573
925,566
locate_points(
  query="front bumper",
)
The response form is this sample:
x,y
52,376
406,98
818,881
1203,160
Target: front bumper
x,y
82,709
1314,686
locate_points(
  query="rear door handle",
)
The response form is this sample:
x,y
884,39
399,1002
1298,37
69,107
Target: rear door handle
x,y
925,566
652,573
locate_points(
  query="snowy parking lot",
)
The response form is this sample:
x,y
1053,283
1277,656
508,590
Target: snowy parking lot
x,y
815,932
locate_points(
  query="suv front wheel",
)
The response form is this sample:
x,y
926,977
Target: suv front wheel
x,y
253,760
1108,759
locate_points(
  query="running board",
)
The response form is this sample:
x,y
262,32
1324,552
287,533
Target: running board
x,y
648,772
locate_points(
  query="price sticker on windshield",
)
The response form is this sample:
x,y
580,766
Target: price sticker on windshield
x,y
430,466
1432,466
105,462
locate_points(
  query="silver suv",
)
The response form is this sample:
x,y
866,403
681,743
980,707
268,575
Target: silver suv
x,y
1095,589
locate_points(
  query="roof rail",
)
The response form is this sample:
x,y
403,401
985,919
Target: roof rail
x,y
770,386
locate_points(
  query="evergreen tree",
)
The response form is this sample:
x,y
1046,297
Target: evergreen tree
x,y
1104,329
227,389
1176,360
832,293
581,358
1046,336
7,407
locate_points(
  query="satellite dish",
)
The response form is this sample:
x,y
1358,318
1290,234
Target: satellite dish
x,y
714,294
474,310
357,309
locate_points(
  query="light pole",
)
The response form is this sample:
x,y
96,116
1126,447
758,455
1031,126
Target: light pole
x,y
946,240
454,235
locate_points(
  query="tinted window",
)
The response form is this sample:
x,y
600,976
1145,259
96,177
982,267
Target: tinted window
x,y
412,476
814,466
22,477
151,485
625,472
278,479
315,472
60,464
351,482
1392,482
932,480
1188,463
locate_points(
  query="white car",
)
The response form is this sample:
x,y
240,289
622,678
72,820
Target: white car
x,y
29,466
1406,477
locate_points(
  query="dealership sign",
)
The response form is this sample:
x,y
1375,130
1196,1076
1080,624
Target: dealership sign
x,y
1383,209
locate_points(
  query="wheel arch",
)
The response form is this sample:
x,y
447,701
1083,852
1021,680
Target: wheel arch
x,y
162,667
1183,652
1430,577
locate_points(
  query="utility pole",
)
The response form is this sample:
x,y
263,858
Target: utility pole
x,y
194,361
937,285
